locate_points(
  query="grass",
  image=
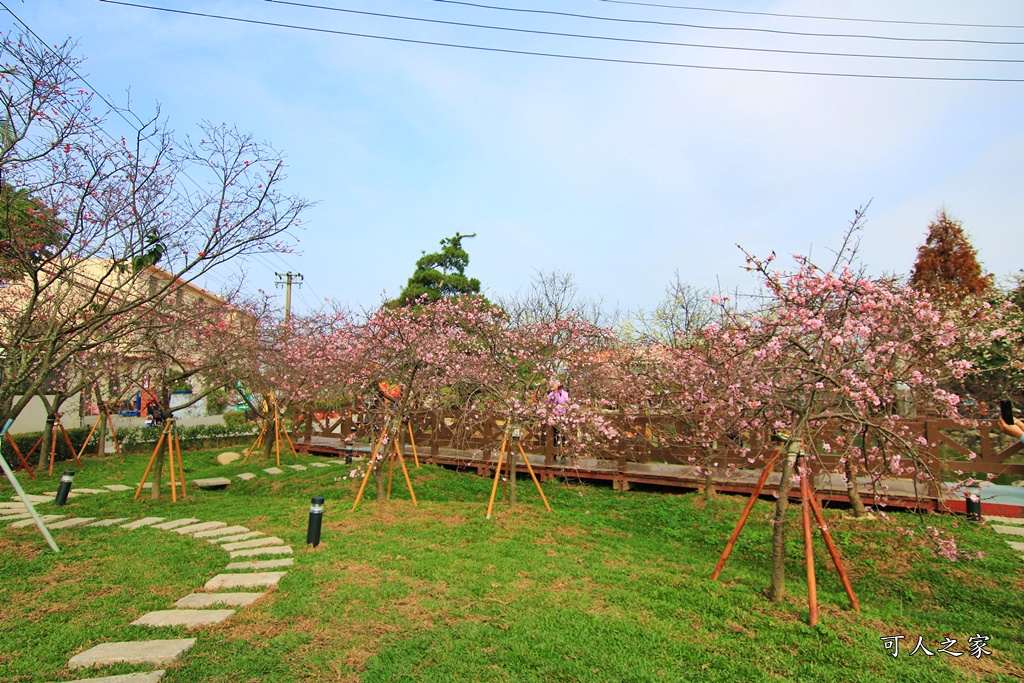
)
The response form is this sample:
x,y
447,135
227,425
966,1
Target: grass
x,y
609,587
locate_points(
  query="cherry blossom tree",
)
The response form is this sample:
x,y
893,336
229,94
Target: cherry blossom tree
x,y
120,206
834,352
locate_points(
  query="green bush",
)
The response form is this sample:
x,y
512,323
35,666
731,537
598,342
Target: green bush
x,y
236,419
133,436
26,440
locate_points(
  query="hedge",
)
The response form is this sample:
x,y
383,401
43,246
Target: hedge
x,y
130,439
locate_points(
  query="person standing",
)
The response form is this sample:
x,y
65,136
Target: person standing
x,y
558,399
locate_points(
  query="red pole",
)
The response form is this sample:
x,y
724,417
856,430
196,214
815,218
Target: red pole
x,y
812,585
746,513
834,552
24,463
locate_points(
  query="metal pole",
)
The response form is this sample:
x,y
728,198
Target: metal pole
x,y
21,493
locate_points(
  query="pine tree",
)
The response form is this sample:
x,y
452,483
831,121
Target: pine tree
x,y
947,264
440,274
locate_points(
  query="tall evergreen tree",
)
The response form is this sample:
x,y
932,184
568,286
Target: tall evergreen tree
x,y
440,274
947,264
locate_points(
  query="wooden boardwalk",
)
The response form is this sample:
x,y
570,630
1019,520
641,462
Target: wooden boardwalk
x,y
624,475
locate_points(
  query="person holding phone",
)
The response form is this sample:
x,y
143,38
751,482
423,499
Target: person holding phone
x,y
1007,423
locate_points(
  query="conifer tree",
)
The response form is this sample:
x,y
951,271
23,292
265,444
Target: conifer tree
x,y
440,274
947,265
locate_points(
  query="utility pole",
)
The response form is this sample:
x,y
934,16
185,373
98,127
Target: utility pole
x,y
289,278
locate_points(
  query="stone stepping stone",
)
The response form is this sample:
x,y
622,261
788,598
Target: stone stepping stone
x,y
151,677
213,483
258,580
221,532
15,517
273,470
145,521
108,522
265,564
92,491
71,494
154,652
118,487
200,600
68,523
254,543
246,476
36,500
990,518
1008,530
318,464
189,618
236,537
202,526
298,468
147,485
13,506
174,524
1013,544
31,522
273,550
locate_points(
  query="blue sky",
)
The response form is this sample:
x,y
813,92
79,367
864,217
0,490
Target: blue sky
x,y
620,174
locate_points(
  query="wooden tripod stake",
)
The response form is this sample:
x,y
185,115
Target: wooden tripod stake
x,y
24,462
174,451
279,430
809,505
59,426
110,421
391,432
507,441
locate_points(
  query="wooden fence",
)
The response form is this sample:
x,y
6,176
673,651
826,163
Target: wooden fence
x,y
470,441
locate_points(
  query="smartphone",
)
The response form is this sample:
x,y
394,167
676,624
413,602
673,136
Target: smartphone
x,y
1006,411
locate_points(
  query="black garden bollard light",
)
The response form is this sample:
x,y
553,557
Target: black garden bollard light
x,y
316,519
65,487
973,508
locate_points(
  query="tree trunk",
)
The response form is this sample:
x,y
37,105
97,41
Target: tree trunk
x,y
158,466
853,490
709,483
777,591
101,431
268,438
43,463
380,477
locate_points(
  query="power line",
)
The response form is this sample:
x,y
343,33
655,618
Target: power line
x,y
806,16
575,15
617,39
609,60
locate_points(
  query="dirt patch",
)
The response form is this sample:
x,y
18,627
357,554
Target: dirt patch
x,y
256,628
23,549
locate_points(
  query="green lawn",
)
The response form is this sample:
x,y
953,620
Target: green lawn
x,y
609,587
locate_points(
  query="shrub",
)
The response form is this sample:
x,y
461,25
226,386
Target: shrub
x,y
26,440
236,419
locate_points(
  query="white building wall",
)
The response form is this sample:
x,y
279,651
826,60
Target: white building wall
x,y
33,418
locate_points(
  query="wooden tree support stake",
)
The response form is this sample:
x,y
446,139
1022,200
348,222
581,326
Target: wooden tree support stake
x,y
394,454
24,462
506,443
809,506
59,426
169,434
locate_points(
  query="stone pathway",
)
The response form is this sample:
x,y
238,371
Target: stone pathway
x,y
1012,527
193,610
